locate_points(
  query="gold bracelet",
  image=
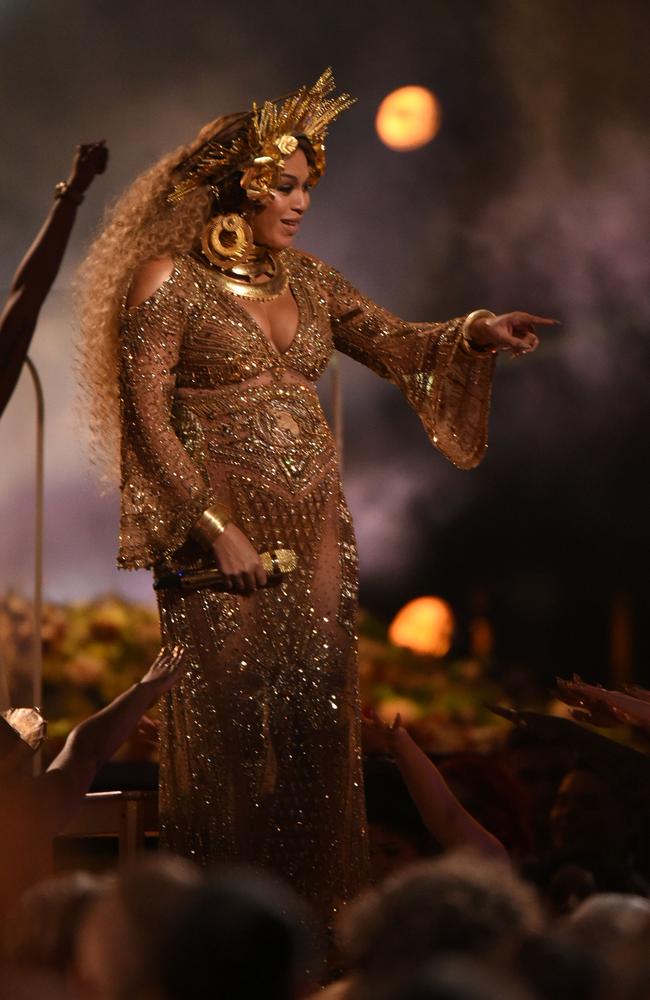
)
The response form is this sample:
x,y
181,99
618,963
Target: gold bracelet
x,y
64,190
469,345
211,524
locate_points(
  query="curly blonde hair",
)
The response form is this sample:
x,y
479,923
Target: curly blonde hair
x,y
142,225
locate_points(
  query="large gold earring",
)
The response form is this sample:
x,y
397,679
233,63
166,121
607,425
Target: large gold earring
x,y
226,239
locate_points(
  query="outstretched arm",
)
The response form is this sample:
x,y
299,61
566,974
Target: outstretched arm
x,y
94,741
441,812
40,266
444,370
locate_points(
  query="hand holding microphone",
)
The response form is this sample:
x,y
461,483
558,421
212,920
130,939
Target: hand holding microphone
x,y
276,563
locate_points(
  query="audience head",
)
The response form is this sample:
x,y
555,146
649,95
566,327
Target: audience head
x,y
124,935
42,930
166,932
608,918
458,903
569,886
242,935
556,968
589,814
566,879
610,931
456,978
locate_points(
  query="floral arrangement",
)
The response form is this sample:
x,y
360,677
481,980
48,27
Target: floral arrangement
x,y
93,650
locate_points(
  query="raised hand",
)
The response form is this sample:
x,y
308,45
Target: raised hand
x,y
601,707
379,736
165,669
90,159
513,331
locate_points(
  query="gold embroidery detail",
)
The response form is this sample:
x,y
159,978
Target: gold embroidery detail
x,y
260,746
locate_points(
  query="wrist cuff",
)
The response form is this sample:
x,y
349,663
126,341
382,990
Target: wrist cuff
x,y
211,524
470,346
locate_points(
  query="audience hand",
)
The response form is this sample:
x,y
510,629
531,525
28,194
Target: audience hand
x,y
148,732
165,670
600,707
380,736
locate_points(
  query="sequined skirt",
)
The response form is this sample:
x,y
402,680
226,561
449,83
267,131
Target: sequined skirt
x,y
260,749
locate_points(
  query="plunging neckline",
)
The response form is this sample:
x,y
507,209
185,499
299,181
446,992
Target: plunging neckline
x,y
295,290
258,329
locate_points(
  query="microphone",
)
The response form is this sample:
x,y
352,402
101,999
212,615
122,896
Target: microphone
x,y
276,562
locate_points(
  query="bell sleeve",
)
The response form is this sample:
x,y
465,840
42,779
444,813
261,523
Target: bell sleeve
x,y
163,489
446,383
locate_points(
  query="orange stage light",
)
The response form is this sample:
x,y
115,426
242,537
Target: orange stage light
x,y
408,118
425,625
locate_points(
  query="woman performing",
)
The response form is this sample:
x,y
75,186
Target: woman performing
x,y
219,329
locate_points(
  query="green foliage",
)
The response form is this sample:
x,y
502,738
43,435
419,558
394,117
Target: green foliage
x,y
92,651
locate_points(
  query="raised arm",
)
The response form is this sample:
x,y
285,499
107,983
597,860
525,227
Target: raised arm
x,y
40,266
600,707
442,814
94,741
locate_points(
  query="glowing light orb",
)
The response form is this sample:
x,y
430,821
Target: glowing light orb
x,y
408,118
425,625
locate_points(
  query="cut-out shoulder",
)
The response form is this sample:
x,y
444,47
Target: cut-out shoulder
x,y
147,279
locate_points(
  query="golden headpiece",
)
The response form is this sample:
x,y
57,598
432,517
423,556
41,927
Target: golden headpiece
x,y
269,138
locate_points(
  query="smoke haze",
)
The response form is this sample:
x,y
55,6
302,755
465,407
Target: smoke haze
x,y
533,196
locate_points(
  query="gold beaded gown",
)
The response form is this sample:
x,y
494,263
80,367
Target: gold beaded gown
x,y
260,745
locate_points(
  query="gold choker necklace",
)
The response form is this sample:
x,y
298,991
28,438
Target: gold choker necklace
x,y
238,280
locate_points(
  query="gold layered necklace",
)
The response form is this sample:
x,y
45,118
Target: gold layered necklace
x,y
236,262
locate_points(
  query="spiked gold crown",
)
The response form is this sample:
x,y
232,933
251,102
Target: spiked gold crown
x,y
270,136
